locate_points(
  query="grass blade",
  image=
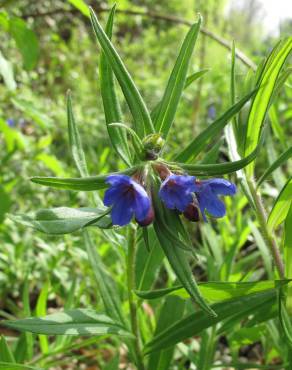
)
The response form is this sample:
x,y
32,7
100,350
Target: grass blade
x,y
176,82
142,120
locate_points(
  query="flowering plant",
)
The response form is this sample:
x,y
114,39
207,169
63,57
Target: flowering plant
x,y
155,195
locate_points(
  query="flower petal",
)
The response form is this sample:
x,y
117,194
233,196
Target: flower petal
x,y
210,202
141,205
118,180
112,195
221,186
122,211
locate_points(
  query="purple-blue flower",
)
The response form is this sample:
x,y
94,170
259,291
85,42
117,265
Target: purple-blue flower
x,y
207,192
176,191
10,122
127,198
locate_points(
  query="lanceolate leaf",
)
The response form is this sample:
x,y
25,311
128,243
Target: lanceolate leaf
x,y
64,220
278,162
72,322
195,323
106,285
176,82
111,105
281,206
177,257
142,120
83,184
189,80
215,291
198,144
217,169
261,102
75,140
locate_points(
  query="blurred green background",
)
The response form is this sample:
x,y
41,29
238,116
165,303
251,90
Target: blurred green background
x,y
48,47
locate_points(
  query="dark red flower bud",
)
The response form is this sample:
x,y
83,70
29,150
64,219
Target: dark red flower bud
x,y
192,213
149,218
162,171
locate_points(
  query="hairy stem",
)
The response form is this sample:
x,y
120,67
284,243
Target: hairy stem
x,y
132,303
262,219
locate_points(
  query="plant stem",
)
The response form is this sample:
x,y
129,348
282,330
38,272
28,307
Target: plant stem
x,y
132,303
262,219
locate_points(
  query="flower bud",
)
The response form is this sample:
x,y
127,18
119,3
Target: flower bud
x,y
192,213
149,218
152,145
162,171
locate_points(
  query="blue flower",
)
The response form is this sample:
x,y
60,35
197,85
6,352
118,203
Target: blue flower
x,y
207,194
127,198
176,191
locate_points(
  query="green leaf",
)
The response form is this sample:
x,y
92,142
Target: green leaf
x,y
41,310
216,169
288,256
106,285
195,323
71,322
75,140
261,102
112,110
5,353
6,71
64,220
81,6
137,143
9,366
195,76
142,120
26,42
171,311
83,184
198,144
281,206
189,80
176,82
278,162
176,256
215,291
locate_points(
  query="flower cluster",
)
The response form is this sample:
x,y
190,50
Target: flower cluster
x,y
128,197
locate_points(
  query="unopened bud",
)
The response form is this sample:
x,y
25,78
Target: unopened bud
x,y
149,218
192,213
152,145
162,171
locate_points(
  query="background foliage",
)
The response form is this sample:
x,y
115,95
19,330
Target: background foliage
x,y
47,48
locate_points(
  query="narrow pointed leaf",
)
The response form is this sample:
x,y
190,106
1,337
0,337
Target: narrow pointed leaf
x,y
83,184
189,80
195,323
5,353
198,144
281,206
217,169
278,162
177,258
64,220
71,322
261,102
112,110
176,82
215,291
106,285
75,140
142,120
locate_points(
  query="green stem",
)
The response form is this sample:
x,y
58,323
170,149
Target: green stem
x,y
132,303
262,219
